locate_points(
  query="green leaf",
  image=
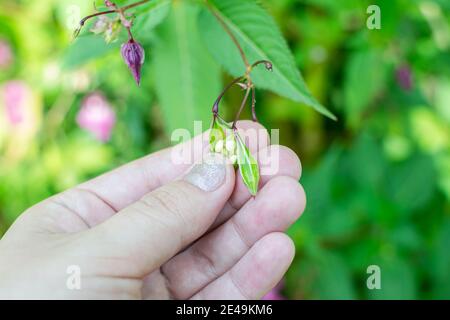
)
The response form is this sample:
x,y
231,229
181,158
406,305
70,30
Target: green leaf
x,y
248,166
411,185
365,78
187,79
260,39
151,16
321,275
439,262
86,48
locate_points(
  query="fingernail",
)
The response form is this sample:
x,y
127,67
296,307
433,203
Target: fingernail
x,y
208,175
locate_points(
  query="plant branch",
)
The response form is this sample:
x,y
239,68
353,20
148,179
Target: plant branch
x,y
254,118
132,5
267,64
230,33
118,10
82,21
215,108
244,101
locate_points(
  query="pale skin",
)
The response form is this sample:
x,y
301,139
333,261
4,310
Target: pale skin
x,y
141,232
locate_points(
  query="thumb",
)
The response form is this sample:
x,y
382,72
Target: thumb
x,y
155,228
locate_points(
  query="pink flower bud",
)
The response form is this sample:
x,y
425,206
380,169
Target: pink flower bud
x,y
6,55
133,54
97,116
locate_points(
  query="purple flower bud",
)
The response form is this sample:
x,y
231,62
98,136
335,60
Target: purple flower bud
x,y
133,54
404,77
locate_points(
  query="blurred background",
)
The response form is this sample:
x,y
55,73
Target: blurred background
x,y
377,180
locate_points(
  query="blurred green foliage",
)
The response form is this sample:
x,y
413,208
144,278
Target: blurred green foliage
x,y
377,180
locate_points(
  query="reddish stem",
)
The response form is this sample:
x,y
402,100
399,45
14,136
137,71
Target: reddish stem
x,y
244,101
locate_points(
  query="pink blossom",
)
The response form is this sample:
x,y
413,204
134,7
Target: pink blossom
x,y
16,96
6,55
97,116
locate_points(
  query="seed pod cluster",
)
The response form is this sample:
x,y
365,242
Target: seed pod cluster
x,y
227,147
225,140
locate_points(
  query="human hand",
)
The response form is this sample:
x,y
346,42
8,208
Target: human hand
x,y
141,231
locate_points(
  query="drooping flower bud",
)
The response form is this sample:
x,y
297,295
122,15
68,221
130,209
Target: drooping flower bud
x,y
134,55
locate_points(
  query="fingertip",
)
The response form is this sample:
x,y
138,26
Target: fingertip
x,y
289,162
274,254
248,124
292,161
255,136
281,244
285,197
294,195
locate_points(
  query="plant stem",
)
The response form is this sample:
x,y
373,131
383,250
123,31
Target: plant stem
x,y
132,5
215,108
130,35
254,118
230,33
117,9
244,101
267,63
95,15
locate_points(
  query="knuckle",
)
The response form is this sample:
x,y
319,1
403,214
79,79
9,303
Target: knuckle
x,y
169,201
205,262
